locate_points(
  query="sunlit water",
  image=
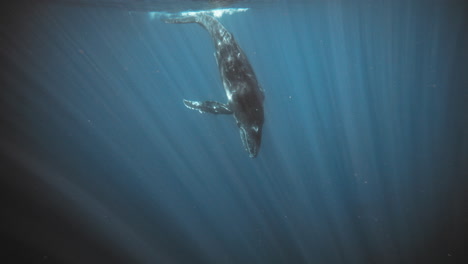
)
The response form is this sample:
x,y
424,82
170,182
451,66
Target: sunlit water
x,y
364,156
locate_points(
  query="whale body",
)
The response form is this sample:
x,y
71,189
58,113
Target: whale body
x,y
244,94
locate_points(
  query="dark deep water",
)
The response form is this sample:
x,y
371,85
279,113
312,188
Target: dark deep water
x,y
365,147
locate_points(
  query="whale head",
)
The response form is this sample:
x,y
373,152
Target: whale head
x,y
250,125
251,136
248,112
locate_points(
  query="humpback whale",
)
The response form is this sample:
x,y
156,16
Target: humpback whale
x,y
244,94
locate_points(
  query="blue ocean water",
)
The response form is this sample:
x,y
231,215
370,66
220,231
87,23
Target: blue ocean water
x,y
364,157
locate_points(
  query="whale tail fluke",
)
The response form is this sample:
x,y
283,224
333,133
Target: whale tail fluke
x,y
216,30
181,19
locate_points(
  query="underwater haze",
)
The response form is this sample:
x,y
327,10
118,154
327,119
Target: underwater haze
x,y
364,156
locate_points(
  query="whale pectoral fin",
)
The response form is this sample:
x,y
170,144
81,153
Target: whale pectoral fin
x,y
208,107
